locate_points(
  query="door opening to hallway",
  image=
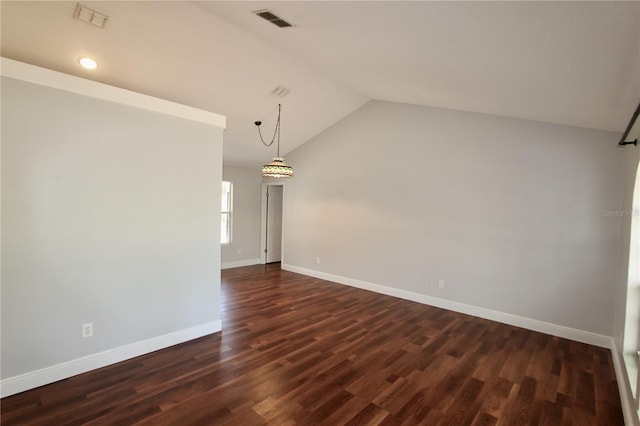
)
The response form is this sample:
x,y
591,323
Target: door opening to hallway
x,y
272,220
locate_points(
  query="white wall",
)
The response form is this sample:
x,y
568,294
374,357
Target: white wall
x,y
510,213
110,215
632,157
245,245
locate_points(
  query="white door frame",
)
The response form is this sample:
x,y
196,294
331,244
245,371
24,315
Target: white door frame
x,y
263,220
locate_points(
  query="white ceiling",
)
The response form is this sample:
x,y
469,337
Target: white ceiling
x,y
575,63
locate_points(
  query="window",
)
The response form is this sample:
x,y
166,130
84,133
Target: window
x,y
631,339
227,207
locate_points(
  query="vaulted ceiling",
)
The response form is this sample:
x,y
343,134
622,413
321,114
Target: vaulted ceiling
x,y
574,63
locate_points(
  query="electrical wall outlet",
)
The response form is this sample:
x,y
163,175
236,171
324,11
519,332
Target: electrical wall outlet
x,y
318,260
441,283
424,281
87,330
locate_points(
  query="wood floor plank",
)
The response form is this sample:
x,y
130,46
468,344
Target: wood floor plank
x,y
297,350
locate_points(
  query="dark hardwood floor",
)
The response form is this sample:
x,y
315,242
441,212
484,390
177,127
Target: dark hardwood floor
x,y
298,350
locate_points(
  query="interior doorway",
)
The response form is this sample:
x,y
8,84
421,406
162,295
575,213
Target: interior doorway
x,y
272,222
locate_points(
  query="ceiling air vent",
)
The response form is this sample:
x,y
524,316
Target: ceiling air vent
x,y
89,15
280,92
273,18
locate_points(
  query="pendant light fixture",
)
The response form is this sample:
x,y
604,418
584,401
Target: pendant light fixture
x,y
276,168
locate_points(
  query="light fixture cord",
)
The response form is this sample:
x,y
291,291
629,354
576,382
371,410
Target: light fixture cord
x,y
278,125
276,132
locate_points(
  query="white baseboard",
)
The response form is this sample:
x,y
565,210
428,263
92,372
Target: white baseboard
x,y
239,263
44,376
528,323
624,388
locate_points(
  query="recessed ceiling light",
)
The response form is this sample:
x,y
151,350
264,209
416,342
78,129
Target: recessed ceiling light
x,y
88,63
